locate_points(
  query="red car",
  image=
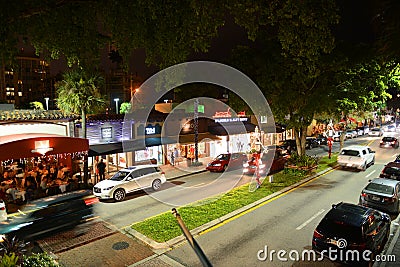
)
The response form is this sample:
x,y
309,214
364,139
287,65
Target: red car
x,y
227,160
278,162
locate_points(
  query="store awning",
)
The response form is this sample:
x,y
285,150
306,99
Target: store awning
x,y
19,146
105,149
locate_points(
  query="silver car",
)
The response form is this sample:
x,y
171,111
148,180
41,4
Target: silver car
x,y
382,194
128,180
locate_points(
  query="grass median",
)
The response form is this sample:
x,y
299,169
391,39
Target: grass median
x,y
164,227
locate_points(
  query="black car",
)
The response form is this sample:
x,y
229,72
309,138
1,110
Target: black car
x,y
288,145
389,141
391,171
351,230
311,142
322,140
50,214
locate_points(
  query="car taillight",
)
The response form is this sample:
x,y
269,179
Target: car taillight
x,y
318,234
393,142
381,142
2,208
363,194
91,200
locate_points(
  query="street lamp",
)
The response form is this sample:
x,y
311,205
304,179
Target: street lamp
x,y
47,103
116,104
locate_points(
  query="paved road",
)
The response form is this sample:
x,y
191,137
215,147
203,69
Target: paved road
x,y
286,223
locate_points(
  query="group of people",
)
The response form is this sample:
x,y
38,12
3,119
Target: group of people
x,y
28,183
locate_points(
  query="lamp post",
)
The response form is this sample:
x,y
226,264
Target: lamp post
x,y
116,104
47,103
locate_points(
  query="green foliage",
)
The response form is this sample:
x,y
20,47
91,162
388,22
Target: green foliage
x,y
125,108
302,160
36,105
39,260
15,246
9,260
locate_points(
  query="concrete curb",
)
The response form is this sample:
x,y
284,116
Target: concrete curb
x,y
175,241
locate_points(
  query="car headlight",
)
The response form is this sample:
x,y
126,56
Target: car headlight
x,y
2,238
246,165
108,188
262,166
217,165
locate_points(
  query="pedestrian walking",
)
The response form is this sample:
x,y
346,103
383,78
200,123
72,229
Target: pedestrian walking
x,y
172,158
257,172
101,167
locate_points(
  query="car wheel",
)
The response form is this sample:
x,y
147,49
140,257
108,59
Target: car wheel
x,y
364,167
156,184
119,194
225,167
373,161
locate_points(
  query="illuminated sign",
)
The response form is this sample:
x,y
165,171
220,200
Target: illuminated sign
x,y
241,119
150,130
106,132
228,114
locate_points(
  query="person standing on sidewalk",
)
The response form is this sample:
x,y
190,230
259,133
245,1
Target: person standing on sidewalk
x,y
330,143
172,158
101,167
176,155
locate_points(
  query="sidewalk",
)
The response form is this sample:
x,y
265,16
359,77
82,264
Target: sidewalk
x,y
99,244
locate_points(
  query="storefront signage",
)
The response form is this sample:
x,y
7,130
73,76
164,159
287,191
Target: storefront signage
x,y
228,114
150,130
106,132
241,119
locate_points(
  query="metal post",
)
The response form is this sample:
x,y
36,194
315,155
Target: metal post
x,y
203,258
196,130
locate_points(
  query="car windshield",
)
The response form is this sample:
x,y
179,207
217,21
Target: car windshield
x,y
375,130
392,171
119,176
380,188
387,139
340,229
348,152
222,157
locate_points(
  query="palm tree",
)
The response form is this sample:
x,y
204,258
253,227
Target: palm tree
x,y
79,93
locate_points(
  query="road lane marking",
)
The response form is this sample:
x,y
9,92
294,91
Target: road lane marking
x,y
309,220
370,174
262,204
190,187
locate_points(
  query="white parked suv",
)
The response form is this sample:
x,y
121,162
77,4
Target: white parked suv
x,y
129,180
359,157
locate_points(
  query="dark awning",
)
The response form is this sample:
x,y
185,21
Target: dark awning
x,y
105,149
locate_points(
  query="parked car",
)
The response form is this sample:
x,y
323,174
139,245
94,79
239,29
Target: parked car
x,y
128,180
336,136
362,130
50,214
350,227
359,157
382,194
278,163
351,134
391,128
375,132
289,145
227,161
391,171
389,141
311,142
322,140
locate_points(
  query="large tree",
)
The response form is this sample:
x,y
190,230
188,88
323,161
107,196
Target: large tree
x,y
79,93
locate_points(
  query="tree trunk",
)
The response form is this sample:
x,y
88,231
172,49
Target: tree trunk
x,y
300,135
85,157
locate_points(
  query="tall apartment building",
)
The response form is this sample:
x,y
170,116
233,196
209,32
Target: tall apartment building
x,y
27,81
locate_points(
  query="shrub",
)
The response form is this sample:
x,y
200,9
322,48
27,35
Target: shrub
x,y
10,260
40,260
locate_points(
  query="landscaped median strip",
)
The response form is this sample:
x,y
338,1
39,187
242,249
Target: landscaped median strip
x,y
162,231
